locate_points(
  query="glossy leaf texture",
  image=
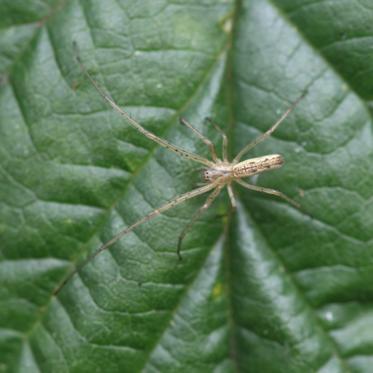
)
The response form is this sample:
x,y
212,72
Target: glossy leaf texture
x,y
265,288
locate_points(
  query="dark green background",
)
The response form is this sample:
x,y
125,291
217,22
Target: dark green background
x,y
266,289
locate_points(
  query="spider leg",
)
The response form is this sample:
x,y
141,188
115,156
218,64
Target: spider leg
x,y
231,196
176,149
268,191
172,203
210,199
266,134
208,142
224,137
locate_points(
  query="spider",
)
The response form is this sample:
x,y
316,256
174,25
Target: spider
x,y
217,172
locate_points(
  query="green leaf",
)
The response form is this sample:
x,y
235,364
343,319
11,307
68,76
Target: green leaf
x,y
265,288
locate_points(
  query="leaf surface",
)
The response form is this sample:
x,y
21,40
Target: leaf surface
x,y
265,288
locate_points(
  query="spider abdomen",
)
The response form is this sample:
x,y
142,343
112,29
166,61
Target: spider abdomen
x,y
254,166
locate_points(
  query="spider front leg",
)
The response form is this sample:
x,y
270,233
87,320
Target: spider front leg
x,y
167,206
150,135
268,191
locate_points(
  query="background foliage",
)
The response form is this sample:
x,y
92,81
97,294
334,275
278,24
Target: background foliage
x,y
265,289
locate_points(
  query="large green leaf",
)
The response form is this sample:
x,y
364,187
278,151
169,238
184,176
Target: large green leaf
x,y
267,288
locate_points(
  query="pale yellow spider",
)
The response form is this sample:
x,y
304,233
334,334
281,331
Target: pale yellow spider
x,y
217,173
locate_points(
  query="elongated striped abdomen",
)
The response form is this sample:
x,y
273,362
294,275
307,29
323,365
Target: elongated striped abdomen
x,y
256,165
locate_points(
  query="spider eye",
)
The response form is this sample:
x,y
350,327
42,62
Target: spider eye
x,y
205,175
